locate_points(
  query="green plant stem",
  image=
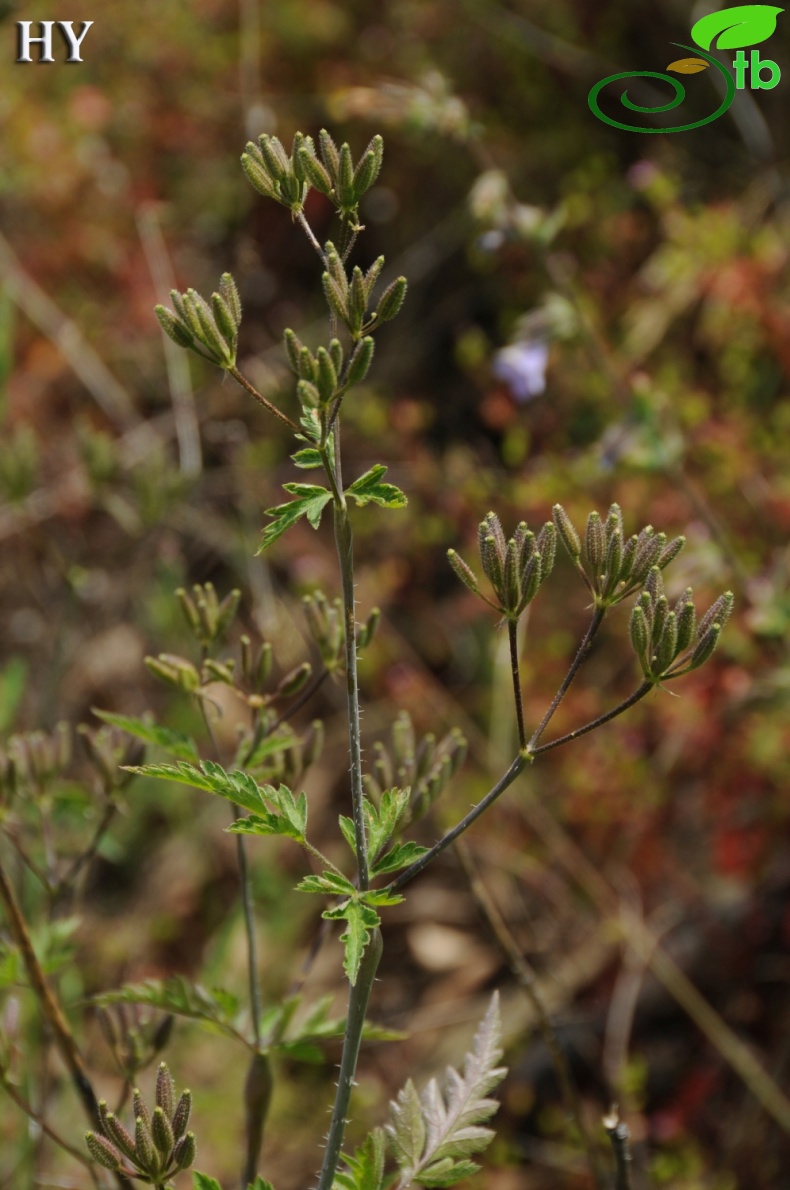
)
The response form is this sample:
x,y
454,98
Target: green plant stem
x,y
517,767
249,927
252,390
512,632
644,689
344,541
64,1039
357,1008
579,659
258,1087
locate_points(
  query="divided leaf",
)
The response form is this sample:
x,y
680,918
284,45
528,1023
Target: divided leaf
x,y
178,996
236,787
331,884
365,1169
382,821
307,458
360,920
288,818
433,1135
370,488
402,855
311,499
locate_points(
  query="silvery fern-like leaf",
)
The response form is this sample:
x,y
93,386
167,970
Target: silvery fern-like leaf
x,y
431,1136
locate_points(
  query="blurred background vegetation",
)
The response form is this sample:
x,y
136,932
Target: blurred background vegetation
x,y
650,274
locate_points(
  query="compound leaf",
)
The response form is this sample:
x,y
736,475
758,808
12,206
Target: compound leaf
x,y
369,488
310,502
360,920
433,1135
178,996
365,1169
235,787
402,855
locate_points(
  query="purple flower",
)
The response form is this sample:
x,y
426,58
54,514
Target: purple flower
x,y
522,366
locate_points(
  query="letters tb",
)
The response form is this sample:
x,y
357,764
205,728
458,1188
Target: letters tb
x,y
73,41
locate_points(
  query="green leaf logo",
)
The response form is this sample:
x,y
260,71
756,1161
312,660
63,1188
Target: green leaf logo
x,y
748,24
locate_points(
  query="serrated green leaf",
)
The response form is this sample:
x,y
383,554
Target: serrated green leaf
x,y
407,1128
235,787
311,499
734,28
402,855
178,996
360,920
202,1181
365,1168
260,1184
256,824
446,1173
307,457
332,884
152,733
381,896
382,820
291,820
369,488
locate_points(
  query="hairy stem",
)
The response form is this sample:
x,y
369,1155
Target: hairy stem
x,y
517,767
308,231
252,390
581,656
638,694
357,1008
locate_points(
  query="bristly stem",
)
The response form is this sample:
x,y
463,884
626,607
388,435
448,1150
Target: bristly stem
x,y
581,656
512,631
357,1008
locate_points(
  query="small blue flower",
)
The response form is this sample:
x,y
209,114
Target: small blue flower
x,y
522,366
